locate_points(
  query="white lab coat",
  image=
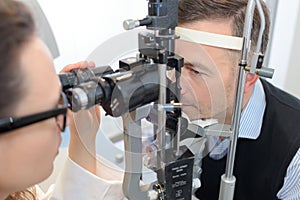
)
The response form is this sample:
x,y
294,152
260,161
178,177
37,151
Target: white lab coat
x,y
76,183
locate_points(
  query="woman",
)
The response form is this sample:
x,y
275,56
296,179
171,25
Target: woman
x,y
33,112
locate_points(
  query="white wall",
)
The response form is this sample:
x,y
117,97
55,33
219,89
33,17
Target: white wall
x,y
284,38
81,26
292,83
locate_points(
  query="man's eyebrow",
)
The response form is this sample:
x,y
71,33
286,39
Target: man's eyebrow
x,y
196,65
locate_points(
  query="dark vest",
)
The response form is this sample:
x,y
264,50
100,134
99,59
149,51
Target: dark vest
x,y
260,165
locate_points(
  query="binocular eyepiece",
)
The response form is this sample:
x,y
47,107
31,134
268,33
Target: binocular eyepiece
x,y
82,86
117,92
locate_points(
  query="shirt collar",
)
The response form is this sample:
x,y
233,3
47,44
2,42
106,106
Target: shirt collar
x,y
252,115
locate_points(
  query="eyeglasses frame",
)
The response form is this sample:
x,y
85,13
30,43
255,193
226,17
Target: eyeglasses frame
x,y
12,123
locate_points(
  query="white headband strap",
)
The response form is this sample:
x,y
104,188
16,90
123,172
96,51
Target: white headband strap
x,y
211,39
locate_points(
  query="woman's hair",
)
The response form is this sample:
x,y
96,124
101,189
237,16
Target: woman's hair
x,y
16,29
28,194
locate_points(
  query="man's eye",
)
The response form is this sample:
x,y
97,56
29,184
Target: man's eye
x,y
192,69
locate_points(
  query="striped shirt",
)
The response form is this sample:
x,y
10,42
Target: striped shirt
x,y
250,127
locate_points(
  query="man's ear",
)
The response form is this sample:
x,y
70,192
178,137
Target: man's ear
x,y
250,82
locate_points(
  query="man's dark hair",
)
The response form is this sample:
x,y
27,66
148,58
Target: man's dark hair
x,y
196,10
16,29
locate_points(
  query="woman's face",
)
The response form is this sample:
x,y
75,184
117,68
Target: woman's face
x,y
27,154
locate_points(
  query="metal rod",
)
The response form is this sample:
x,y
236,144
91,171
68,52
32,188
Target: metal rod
x,y
228,180
235,124
161,133
240,89
258,49
178,137
247,30
179,112
262,25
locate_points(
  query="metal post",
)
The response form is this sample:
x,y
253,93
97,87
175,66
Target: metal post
x,y
228,180
161,129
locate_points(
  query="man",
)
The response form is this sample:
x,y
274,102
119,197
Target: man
x,y
267,164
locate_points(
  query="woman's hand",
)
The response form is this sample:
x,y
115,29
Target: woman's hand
x,y
78,65
84,126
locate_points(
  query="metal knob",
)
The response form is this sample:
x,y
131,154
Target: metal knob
x,y
265,72
130,24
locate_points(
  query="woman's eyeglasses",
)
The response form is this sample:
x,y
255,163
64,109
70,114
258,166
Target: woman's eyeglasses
x,y
60,113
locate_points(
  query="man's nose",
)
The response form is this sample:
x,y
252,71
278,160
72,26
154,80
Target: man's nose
x,y
69,117
183,82
183,87
171,75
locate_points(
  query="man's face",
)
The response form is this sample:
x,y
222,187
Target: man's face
x,y
209,75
